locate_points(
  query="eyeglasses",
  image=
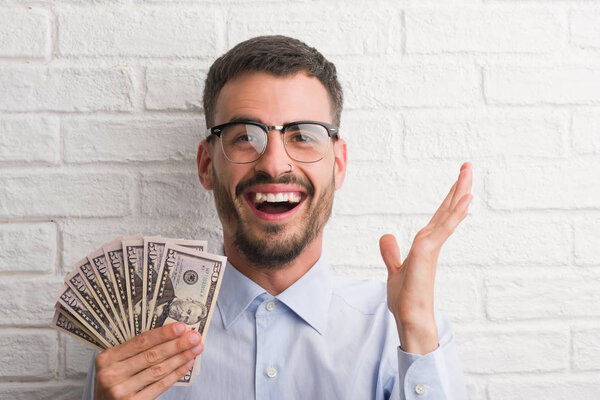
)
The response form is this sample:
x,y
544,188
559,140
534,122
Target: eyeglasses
x,y
245,141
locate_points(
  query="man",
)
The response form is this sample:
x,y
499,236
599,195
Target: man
x,y
285,327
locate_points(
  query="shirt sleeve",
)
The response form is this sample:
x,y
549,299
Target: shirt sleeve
x,y
433,376
88,390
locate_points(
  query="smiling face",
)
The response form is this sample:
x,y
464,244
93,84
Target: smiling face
x,y
274,208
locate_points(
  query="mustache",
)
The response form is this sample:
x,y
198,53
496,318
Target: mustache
x,y
262,179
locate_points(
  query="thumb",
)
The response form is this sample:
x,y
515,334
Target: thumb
x,y
390,253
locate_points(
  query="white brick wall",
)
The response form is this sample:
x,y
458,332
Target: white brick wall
x,y
100,116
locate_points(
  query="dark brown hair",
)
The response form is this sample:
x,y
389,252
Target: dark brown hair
x,y
278,55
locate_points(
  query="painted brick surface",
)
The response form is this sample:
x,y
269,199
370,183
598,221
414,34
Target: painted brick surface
x,y
29,139
25,32
27,88
131,140
101,114
28,354
28,247
486,30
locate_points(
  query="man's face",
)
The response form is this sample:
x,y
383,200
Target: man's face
x,y
187,311
273,234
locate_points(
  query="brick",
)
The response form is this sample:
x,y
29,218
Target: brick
x,y
24,32
27,247
485,30
587,241
387,188
555,387
131,140
586,132
372,137
554,297
456,294
174,89
28,301
485,240
488,351
542,85
143,31
178,195
26,88
354,30
41,391
585,28
77,357
461,135
561,185
29,139
81,237
364,251
373,85
26,354
586,349
64,194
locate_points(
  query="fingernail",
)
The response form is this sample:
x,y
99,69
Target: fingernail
x,y
179,328
194,338
197,349
190,363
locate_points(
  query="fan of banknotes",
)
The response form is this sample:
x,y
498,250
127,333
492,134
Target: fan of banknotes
x,y
132,285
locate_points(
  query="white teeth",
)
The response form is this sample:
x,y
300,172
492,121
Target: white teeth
x,y
277,197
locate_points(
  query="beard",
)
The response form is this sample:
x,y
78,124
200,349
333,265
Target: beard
x,y
275,248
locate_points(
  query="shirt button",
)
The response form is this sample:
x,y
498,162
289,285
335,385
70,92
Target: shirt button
x,y
270,306
271,372
420,388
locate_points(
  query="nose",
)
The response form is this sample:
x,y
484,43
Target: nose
x,y
275,160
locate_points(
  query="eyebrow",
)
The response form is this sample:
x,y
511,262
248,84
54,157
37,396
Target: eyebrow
x,y
241,118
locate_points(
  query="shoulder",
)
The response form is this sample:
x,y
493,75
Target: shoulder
x,y
364,296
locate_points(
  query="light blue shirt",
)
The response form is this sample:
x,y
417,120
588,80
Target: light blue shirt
x,y
325,337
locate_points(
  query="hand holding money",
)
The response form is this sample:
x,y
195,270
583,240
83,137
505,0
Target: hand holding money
x,y
148,364
120,296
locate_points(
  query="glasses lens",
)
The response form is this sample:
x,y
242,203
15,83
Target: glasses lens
x,y
306,142
243,143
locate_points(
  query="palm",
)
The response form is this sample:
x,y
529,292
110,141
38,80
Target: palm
x,y
411,283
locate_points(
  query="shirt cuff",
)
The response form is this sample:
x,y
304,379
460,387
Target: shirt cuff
x,y
422,376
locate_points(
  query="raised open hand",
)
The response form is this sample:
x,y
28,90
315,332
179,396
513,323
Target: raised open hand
x,y
411,283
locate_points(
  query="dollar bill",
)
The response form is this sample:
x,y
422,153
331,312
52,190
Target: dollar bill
x,y
139,283
104,273
133,257
188,290
73,304
114,255
64,323
153,251
91,278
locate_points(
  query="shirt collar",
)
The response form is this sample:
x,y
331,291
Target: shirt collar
x,y
309,297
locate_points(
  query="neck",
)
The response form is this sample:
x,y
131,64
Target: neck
x,y
275,280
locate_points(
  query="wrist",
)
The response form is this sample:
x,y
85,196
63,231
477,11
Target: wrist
x,y
418,338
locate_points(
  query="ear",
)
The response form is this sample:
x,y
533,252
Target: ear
x,y
340,153
204,162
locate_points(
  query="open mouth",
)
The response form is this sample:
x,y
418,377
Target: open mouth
x,y
275,203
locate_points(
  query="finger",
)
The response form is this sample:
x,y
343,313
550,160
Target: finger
x,y
154,390
159,371
463,186
157,354
140,343
444,208
390,252
444,230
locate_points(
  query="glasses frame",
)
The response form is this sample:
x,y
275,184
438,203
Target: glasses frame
x,y
217,130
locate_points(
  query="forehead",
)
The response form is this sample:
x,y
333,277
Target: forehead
x,y
273,99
